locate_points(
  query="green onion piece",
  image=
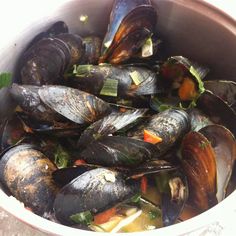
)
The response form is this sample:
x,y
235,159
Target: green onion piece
x,y
136,77
83,217
110,88
199,80
153,215
136,198
147,48
5,79
107,44
82,70
83,18
61,157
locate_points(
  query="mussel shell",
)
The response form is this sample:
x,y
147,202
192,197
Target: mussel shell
x,y
119,151
27,173
224,145
92,52
217,110
198,119
127,17
95,191
224,89
109,125
28,99
75,44
170,125
173,196
77,106
199,165
44,62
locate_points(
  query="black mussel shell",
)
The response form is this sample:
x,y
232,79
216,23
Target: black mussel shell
x,y
109,125
95,191
92,45
27,173
77,106
169,125
75,44
224,146
173,188
126,18
217,110
28,99
92,78
198,119
45,62
199,165
224,89
119,151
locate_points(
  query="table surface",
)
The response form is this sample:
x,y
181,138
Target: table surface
x,y
10,226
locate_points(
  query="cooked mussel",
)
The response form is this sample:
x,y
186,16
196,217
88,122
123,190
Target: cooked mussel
x,y
119,151
199,164
131,23
109,187
163,129
92,50
109,125
224,146
130,80
77,106
224,89
27,173
217,110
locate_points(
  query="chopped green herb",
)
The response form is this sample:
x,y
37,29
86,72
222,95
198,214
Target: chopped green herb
x,y
83,18
107,44
199,80
82,218
61,157
153,215
110,88
82,70
203,144
147,48
136,198
136,77
5,79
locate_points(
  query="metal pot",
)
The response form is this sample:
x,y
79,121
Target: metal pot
x,y
193,29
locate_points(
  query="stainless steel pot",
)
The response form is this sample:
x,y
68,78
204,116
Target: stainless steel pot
x,y
191,28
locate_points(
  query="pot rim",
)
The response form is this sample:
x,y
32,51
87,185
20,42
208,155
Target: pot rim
x,y
215,217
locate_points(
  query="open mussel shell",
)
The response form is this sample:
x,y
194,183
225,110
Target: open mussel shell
x,y
119,151
92,50
199,165
45,62
217,110
95,191
12,131
173,188
27,173
77,106
109,125
224,146
75,44
224,89
127,17
28,99
169,125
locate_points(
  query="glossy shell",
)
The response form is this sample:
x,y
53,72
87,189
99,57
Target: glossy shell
x,y
94,191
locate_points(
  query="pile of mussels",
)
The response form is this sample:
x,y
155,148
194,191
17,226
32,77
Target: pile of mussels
x,y
111,136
